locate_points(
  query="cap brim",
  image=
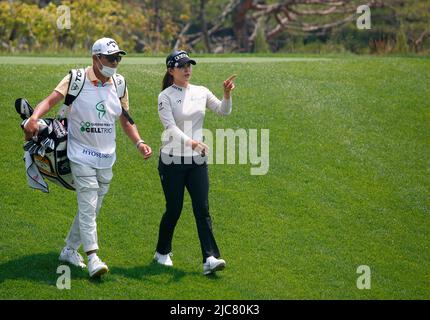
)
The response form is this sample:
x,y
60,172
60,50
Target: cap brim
x,y
115,52
185,61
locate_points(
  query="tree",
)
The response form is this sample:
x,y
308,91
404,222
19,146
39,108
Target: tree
x,y
293,16
413,17
215,26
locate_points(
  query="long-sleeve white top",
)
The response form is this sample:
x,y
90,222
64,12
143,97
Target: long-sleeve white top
x,y
182,112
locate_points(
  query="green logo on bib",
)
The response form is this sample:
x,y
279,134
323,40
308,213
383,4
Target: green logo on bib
x,y
100,107
84,126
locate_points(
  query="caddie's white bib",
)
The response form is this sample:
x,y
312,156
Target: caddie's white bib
x,y
91,126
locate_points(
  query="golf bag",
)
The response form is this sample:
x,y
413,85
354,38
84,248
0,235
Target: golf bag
x,y
47,151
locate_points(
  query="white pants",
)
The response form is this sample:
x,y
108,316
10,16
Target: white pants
x,y
91,186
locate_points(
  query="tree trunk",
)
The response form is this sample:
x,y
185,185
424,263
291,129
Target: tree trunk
x,y
204,25
240,24
157,24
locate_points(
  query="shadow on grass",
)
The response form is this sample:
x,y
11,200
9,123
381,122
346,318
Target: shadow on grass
x,y
153,269
40,267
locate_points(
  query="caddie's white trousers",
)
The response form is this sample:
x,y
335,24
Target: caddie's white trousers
x,y
91,186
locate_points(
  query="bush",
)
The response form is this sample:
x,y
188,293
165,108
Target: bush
x,y
26,27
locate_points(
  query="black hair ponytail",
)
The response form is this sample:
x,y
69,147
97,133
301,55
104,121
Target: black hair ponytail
x,y
167,80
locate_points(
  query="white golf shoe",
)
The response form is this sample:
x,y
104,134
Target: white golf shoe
x,y
213,264
164,259
72,256
96,267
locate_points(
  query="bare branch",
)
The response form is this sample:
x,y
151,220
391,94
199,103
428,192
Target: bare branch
x,y
181,37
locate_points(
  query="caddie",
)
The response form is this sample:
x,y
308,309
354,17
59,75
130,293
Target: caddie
x,y
97,96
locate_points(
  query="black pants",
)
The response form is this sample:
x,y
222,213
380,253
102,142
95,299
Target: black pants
x,y
174,179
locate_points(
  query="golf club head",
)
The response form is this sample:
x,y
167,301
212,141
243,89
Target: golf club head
x,y
45,129
23,108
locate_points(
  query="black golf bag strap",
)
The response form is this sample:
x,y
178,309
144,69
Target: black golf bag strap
x,y
77,80
127,116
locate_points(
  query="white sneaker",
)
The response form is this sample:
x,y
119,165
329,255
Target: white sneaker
x,y
96,267
72,256
213,264
164,259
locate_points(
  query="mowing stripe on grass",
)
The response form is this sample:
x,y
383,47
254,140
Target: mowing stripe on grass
x,y
144,60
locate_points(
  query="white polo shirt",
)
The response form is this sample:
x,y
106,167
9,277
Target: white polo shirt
x,y
182,112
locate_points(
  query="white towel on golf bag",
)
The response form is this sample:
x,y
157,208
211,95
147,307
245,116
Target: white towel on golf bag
x,y
34,178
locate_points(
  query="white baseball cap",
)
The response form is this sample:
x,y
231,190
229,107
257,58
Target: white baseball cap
x,y
106,46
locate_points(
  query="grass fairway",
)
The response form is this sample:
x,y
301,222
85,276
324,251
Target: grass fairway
x,y
348,185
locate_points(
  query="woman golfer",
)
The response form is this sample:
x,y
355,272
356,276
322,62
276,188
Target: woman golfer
x,y
182,163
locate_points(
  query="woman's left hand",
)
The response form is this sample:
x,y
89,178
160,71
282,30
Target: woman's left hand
x,y
229,85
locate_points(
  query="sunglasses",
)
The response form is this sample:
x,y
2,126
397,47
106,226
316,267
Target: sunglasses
x,y
112,58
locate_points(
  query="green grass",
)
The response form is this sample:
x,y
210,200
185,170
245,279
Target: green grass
x,y
348,185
